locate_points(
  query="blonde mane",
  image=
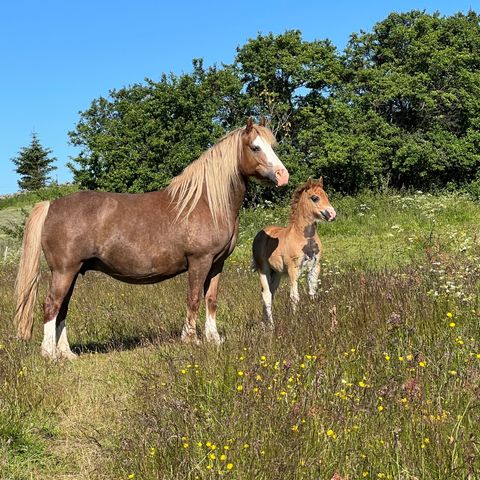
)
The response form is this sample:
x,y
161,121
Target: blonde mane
x,y
216,170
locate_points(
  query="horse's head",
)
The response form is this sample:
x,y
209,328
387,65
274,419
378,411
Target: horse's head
x,y
259,159
313,202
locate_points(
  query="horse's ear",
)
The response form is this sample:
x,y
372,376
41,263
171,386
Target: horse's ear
x,y
263,121
309,182
320,182
249,126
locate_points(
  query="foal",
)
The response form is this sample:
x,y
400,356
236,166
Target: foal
x,y
292,249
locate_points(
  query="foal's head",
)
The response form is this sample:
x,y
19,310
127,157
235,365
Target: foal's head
x,y
311,202
258,158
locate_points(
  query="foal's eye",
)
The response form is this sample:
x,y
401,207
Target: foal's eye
x,y
314,198
255,148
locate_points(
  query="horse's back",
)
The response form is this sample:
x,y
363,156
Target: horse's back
x,y
106,225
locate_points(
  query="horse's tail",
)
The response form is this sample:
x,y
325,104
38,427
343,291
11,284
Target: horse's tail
x,y
28,277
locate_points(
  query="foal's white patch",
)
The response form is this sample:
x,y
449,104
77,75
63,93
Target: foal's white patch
x,y
49,343
267,149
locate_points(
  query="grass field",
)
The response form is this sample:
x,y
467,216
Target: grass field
x,y
378,378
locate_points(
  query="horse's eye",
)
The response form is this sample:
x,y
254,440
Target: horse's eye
x,y
255,148
314,198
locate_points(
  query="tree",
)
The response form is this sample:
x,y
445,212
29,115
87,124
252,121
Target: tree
x,y
419,73
33,165
400,106
143,135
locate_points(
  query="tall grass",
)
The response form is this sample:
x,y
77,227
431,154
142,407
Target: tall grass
x,y
377,378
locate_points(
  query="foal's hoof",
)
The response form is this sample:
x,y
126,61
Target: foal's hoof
x,y
48,354
214,338
67,355
190,339
268,327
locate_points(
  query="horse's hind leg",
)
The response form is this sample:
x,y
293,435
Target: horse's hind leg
x,y
210,290
267,296
63,347
54,312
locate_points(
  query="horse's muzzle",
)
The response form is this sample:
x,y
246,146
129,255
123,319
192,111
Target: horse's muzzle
x,y
281,176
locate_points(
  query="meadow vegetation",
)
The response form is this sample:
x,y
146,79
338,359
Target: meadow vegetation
x,y
377,378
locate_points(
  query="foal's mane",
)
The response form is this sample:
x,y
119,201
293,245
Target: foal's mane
x,y
216,171
297,194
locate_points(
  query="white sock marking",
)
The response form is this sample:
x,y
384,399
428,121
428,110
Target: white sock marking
x,y
49,344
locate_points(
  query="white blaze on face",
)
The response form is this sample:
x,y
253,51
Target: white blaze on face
x,y
279,173
272,159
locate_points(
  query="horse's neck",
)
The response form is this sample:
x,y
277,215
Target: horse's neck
x,y
238,196
302,226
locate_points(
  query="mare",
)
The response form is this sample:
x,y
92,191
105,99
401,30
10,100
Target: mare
x,y
294,248
192,225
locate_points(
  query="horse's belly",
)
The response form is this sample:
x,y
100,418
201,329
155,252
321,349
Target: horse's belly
x,y
151,267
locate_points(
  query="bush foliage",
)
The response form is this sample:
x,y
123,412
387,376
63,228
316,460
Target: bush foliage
x,y
399,106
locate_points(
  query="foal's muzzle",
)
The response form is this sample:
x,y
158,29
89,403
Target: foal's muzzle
x,y
329,214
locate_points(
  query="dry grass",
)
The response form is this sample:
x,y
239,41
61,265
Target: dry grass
x,y
370,381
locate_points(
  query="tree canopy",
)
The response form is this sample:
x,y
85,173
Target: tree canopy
x,y
33,165
400,106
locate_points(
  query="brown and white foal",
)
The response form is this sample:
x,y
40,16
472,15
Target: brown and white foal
x,y
292,249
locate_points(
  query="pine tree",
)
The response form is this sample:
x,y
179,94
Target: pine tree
x,y
34,165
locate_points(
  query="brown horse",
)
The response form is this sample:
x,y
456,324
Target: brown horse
x,y
191,226
292,249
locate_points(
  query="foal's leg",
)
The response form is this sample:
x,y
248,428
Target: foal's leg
x,y
267,296
312,279
293,274
198,269
55,308
210,290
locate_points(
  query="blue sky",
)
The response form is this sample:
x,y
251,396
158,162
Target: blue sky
x,y
57,56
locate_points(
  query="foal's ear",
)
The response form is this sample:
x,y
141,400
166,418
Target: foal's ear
x,y
320,182
309,182
249,126
263,121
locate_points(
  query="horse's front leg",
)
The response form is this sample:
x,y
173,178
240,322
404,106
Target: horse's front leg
x,y
312,279
210,289
293,274
198,269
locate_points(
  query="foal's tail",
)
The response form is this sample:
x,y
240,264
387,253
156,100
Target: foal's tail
x,y
28,277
